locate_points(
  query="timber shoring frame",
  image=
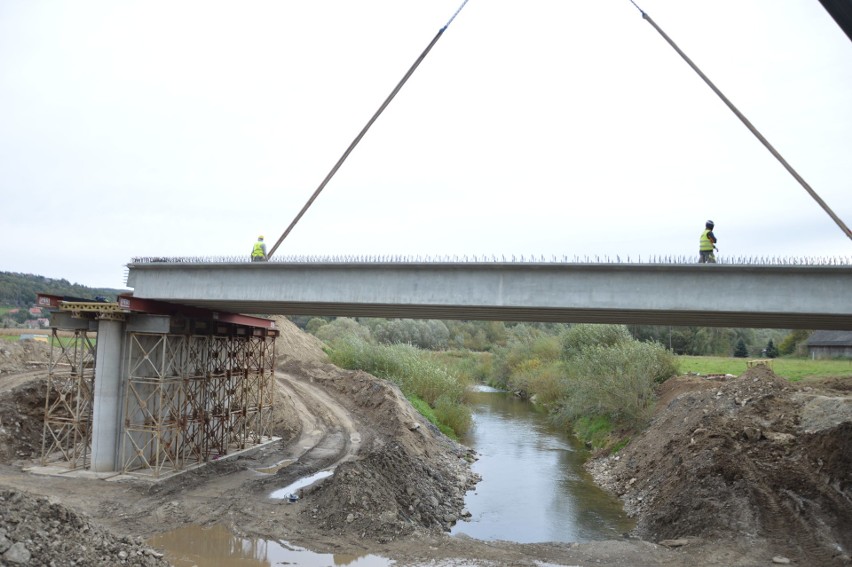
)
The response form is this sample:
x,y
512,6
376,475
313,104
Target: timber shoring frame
x,y
190,398
68,402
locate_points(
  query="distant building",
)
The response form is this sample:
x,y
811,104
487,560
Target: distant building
x,y
35,311
830,344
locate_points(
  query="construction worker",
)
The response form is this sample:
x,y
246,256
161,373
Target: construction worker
x,y
258,252
707,244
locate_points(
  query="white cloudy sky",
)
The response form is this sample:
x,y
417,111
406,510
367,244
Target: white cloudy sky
x,y
534,127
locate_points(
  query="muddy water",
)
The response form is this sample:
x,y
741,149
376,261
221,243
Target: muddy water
x,y
533,487
217,547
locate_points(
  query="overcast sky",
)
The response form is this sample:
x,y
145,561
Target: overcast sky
x,y
535,127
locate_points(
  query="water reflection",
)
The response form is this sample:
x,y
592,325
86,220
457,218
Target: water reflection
x,y
217,547
301,483
533,487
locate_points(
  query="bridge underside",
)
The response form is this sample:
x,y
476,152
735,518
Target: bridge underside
x,y
705,295
762,320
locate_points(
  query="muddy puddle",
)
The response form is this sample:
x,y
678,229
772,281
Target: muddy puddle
x,y
215,546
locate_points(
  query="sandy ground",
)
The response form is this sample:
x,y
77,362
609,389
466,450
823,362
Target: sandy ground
x,y
736,472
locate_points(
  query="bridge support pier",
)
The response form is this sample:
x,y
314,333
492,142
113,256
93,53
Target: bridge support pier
x,y
107,396
159,392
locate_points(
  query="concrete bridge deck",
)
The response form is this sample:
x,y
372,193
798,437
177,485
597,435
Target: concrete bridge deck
x,y
710,295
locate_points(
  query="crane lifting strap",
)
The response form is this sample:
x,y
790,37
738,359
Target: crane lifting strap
x,y
750,126
365,128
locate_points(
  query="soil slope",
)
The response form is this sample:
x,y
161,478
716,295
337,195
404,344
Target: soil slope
x,y
732,472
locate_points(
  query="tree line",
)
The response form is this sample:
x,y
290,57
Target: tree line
x,y
20,290
485,336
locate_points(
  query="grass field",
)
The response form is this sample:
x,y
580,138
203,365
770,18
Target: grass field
x,y
793,369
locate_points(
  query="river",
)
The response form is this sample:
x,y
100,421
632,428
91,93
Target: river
x,y
534,487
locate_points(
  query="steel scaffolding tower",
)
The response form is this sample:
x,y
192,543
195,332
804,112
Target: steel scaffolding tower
x,y
193,398
176,385
68,403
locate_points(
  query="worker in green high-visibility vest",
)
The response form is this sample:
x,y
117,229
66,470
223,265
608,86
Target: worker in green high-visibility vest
x,y
707,244
258,252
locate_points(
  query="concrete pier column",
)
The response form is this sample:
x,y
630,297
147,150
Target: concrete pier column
x,y
107,403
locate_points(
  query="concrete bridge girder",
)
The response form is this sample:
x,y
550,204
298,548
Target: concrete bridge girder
x,y
710,295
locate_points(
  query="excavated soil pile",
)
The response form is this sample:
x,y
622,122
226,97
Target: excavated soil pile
x,y
35,531
22,420
20,356
744,459
412,478
294,345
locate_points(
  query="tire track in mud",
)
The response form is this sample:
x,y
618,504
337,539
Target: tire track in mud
x,y
329,434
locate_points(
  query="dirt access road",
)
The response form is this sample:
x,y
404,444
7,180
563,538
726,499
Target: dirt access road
x,y
733,472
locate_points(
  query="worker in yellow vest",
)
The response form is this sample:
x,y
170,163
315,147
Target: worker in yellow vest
x,y
258,252
707,244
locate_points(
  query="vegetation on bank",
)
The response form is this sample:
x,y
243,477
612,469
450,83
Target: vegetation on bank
x,y
597,380
433,389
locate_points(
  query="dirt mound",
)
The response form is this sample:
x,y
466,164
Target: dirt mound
x,y
22,421
20,356
412,478
295,345
390,494
748,458
37,531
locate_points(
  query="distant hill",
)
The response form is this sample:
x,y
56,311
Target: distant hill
x,y
19,290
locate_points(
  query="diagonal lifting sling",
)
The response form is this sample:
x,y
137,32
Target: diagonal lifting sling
x,y
364,130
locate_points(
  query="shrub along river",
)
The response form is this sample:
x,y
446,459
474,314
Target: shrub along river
x,y
533,489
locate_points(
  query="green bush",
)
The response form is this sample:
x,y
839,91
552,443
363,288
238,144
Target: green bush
x,y
412,370
471,367
457,417
313,325
548,384
790,344
594,430
517,364
579,337
342,328
617,381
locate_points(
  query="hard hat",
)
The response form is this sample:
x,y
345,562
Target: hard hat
x,y
260,237
708,224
